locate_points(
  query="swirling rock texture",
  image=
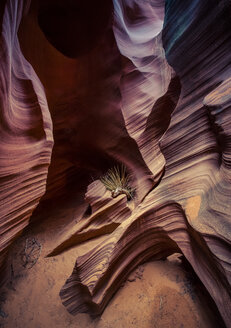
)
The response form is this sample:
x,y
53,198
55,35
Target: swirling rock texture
x,y
25,136
150,89
189,210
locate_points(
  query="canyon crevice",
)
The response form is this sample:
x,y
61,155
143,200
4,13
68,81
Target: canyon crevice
x,y
147,86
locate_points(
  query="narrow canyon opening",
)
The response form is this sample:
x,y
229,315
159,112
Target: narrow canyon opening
x,y
115,163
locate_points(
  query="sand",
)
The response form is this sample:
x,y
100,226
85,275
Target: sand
x,y
158,294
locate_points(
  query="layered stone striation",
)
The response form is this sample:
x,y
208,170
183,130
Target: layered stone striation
x,y
150,90
25,135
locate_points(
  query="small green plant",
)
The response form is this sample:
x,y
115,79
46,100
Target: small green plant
x,y
117,180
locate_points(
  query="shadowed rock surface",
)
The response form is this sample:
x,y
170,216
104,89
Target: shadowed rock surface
x,y
25,135
148,88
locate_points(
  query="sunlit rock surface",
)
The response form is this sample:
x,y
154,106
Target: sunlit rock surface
x,y
149,88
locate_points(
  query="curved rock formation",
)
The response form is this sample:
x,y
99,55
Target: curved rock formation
x,y
25,134
84,96
196,181
151,92
107,214
137,27
146,233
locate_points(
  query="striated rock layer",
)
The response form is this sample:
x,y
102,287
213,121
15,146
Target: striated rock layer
x,y
25,133
84,99
189,211
148,88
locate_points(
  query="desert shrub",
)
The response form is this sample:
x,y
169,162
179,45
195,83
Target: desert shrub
x,y
117,180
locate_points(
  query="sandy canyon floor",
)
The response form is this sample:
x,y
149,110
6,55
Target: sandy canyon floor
x,y
160,294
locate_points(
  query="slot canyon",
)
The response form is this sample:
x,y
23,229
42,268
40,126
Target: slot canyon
x,y
115,163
